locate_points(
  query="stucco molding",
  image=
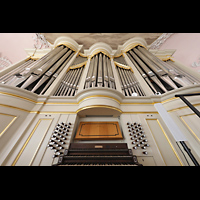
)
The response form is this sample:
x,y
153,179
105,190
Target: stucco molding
x,y
159,42
129,44
40,41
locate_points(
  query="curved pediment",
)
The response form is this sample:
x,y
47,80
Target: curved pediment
x,y
67,41
129,44
99,47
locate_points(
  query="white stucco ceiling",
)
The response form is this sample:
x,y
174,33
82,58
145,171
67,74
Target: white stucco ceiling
x,y
113,39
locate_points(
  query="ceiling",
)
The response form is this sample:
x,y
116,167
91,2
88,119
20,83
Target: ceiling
x,y
113,39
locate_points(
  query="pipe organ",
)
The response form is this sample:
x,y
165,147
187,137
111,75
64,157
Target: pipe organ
x,y
48,98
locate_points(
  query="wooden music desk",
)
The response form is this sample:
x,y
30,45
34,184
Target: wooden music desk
x,y
98,131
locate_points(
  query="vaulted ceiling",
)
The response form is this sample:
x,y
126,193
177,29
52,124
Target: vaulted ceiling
x,y
113,39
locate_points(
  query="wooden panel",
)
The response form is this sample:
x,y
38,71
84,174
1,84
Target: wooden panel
x,y
192,123
98,131
6,120
165,146
29,150
146,160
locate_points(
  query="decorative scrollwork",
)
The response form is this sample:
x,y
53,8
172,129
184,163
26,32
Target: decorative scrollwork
x,y
40,41
196,64
157,43
4,62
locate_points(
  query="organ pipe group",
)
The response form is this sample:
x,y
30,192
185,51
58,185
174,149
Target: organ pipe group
x,y
161,76
33,74
100,72
37,75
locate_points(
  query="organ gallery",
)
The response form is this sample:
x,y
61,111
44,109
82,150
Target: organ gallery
x,y
70,106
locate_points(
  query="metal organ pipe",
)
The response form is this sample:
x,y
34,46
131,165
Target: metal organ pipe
x,y
99,80
37,76
148,71
69,84
155,66
24,74
76,86
7,77
130,87
105,71
156,69
144,75
175,76
61,87
89,75
110,74
190,79
135,84
32,75
68,55
130,82
124,87
37,73
165,75
100,72
94,74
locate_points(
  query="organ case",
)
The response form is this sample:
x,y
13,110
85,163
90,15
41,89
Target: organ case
x,y
79,82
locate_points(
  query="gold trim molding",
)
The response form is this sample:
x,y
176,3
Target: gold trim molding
x,y
123,66
67,44
93,96
98,106
100,51
18,96
131,46
77,66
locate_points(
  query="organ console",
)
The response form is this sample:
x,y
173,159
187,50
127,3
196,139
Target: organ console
x,y
98,154
46,101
